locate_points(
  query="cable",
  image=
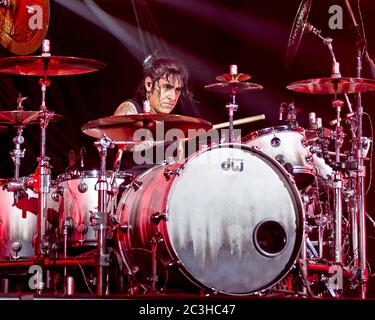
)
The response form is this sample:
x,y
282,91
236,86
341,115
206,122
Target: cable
x,y
84,276
371,151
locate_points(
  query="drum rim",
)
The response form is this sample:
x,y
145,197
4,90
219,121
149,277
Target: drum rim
x,y
82,174
271,130
300,218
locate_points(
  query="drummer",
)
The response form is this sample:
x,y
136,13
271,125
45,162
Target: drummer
x,y
164,82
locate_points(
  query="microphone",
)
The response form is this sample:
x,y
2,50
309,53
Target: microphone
x,y
82,151
282,109
348,116
14,186
72,158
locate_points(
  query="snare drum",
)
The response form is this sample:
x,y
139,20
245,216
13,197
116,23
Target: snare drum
x,y
230,218
18,224
75,198
286,145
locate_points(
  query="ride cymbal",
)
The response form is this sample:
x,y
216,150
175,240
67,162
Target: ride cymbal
x,y
332,85
48,65
123,128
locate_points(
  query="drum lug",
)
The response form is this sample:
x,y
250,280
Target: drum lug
x,y
57,193
309,160
275,142
136,185
168,173
124,227
174,264
83,187
156,217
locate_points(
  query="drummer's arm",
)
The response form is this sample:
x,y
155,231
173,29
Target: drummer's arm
x,y
124,108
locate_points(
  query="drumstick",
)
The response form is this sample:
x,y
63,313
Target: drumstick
x,y
239,121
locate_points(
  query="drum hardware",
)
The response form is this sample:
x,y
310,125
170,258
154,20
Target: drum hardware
x,y
155,241
291,111
233,84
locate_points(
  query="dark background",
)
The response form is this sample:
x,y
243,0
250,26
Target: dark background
x,y
208,36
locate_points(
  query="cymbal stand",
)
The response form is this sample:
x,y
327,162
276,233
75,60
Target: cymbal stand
x,y
339,136
338,185
361,142
43,172
232,106
101,217
17,154
361,175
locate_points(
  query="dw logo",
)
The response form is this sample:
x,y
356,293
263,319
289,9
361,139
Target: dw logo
x,y
234,164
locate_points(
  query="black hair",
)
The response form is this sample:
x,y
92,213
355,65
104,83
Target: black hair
x,y
156,67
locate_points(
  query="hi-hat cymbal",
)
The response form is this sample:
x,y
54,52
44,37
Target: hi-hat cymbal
x,y
233,87
332,85
48,66
23,24
123,128
22,117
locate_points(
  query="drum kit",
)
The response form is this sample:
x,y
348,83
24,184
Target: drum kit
x,y
284,216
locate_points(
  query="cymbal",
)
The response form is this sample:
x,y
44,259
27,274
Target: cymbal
x,y
22,28
4,129
123,128
332,85
297,31
233,87
49,66
22,117
233,77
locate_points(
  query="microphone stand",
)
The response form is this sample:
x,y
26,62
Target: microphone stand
x,y
337,175
361,169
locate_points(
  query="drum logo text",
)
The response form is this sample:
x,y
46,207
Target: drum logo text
x,y
232,163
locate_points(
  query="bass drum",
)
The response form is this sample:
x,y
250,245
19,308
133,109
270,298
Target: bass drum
x,y
230,218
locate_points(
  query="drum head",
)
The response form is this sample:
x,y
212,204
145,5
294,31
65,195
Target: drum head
x,y
235,220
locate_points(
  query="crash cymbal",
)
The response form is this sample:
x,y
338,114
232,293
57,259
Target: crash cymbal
x,y
297,31
49,66
123,128
233,87
332,85
22,27
22,117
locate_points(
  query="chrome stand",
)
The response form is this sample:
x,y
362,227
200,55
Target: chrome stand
x,y
101,217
